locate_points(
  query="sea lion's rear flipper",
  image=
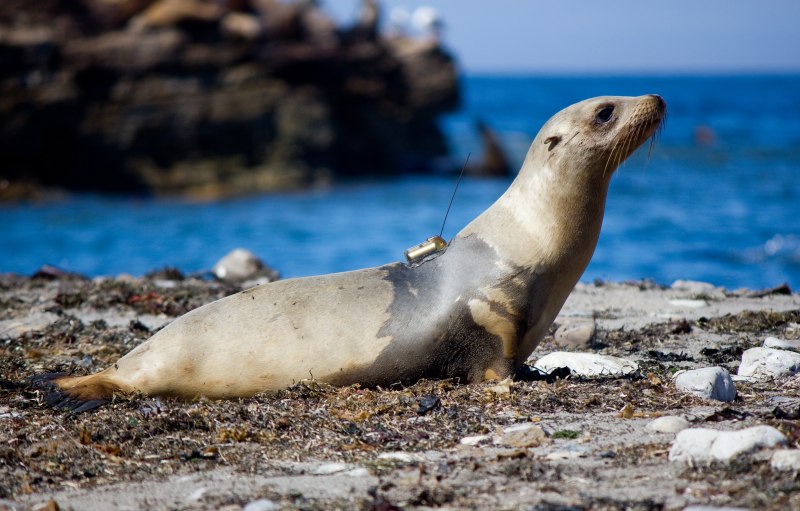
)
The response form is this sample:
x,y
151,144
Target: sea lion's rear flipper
x,y
75,393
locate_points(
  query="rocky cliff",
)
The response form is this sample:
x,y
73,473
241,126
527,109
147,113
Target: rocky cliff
x,y
211,98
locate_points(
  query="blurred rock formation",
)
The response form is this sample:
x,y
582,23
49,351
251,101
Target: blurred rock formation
x,y
211,98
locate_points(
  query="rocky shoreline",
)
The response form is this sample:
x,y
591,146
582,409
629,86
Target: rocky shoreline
x,y
210,98
617,439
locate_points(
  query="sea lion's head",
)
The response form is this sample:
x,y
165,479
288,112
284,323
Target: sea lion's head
x,y
596,135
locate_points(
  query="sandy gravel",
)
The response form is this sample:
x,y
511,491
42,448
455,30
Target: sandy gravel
x,y
315,447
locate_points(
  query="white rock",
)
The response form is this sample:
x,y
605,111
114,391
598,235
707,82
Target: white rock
x,y
474,440
405,457
260,505
688,304
330,468
241,264
714,508
521,435
575,335
769,363
357,472
703,445
782,344
708,382
694,287
786,460
586,364
668,424
564,455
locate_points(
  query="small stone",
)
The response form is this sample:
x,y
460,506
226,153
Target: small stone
x,y
330,468
693,288
239,265
769,363
564,455
704,445
782,344
474,440
786,460
688,304
576,335
708,382
586,364
668,424
714,508
260,505
521,435
404,457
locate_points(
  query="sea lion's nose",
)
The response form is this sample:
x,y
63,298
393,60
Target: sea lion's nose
x,y
662,105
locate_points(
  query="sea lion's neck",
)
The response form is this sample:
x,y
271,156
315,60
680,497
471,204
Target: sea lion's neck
x,y
544,222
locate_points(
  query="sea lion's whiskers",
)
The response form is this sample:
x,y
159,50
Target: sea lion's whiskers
x,y
610,156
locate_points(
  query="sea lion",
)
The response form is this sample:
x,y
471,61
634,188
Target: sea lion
x,y
473,311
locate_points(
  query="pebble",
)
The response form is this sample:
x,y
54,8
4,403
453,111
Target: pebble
x,y
782,344
474,440
705,445
241,264
786,460
708,382
769,363
694,287
714,508
260,505
688,304
330,468
575,335
668,424
521,435
405,457
586,364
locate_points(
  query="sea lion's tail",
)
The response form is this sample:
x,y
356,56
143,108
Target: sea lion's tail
x,y
75,393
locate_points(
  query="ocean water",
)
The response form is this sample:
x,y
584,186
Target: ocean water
x,y
724,210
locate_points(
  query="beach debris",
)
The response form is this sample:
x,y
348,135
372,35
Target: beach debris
x,y
708,382
785,460
428,403
782,344
501,388
575,335
586,364
521,435
703,445
240,264
668,424
766,363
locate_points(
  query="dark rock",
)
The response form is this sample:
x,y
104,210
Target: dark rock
x,y
209,99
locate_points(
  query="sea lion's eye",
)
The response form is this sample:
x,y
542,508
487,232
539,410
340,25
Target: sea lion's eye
x,y
604,115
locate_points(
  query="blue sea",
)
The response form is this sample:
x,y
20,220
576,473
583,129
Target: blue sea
x,y
717,199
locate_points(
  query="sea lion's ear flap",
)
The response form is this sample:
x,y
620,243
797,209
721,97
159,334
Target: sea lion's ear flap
x,y
552,141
